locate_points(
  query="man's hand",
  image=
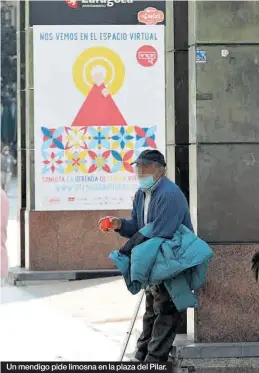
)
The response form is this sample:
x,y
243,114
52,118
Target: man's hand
x,y
115,223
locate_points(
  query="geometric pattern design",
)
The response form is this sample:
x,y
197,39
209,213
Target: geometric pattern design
x,y
52,138
75,161
122,161
98,138
123,138
70,150
75,138
53,161
145,137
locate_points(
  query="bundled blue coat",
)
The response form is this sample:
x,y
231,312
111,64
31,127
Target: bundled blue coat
x,y
180,263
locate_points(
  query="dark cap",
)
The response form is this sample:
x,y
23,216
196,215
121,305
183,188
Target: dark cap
x,y
150,156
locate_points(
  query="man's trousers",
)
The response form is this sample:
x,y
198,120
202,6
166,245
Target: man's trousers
x,y
160,322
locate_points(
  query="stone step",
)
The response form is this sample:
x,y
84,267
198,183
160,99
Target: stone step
x,y
215,357
186,350
18,275
231,365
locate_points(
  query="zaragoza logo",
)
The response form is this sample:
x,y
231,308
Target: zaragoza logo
x,y
72,3
96,3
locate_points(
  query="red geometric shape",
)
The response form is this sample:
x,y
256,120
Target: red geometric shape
x,y
98,110
92,168
75,162
92,154
147,56
140,132
128,156
106,168
128,167
150,142
106,154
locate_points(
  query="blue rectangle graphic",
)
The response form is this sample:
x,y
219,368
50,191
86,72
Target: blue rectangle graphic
x,y
201,56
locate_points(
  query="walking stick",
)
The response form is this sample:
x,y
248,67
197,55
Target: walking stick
x,y
129,332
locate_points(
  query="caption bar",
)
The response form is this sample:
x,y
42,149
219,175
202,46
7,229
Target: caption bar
x,y
25,367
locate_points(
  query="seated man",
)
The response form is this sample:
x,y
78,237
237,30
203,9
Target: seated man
x,y
161,202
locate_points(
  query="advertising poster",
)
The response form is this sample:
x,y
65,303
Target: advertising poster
x,y
99,100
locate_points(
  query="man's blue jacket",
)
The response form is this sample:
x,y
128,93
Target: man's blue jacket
x,y
180,263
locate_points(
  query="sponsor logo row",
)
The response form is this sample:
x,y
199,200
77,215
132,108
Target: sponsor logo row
x,y
148,16
56,200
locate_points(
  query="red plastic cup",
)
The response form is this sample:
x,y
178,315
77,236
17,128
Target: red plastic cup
x,y
106,224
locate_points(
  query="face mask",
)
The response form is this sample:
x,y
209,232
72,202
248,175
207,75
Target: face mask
x,y
147,182
6,152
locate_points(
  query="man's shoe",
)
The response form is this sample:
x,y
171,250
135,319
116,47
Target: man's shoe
x,y
139,356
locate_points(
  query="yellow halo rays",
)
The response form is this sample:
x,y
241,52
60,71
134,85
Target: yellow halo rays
x,y
98,56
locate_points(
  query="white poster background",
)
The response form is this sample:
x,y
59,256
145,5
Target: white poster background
x,y
57,101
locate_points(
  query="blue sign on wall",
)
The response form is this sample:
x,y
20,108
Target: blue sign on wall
x,y
201,56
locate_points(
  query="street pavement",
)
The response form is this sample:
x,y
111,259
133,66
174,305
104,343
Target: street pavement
x,y
68,321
